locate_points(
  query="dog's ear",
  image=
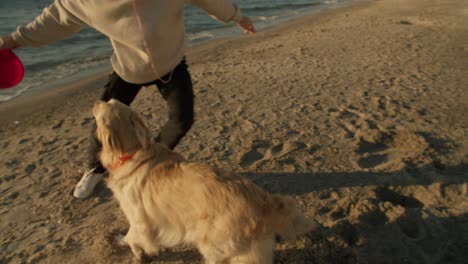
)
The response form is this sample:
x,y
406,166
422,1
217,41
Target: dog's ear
x,y
109,139
114,143
142,133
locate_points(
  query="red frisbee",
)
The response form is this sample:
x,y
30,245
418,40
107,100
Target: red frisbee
x,y
11,69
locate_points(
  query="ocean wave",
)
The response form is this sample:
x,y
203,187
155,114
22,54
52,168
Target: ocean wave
x,y
265,18
279,7
9,94
201,35
64,62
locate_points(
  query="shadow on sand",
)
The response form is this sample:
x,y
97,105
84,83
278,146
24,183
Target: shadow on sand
x,y
417,234
377,234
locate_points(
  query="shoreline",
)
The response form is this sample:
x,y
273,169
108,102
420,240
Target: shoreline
x,y
226,31
23,105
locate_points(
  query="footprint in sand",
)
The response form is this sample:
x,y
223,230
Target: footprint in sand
x,y
30,168
262,150
24,140
50,142
370,153
58,124
377,148
13,196
351,120
412,226
8,178
348,232
5,145
387,195
257,153
410,223
12,163
86,121
375,218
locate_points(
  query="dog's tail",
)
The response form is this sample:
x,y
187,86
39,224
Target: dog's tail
x,y
287,221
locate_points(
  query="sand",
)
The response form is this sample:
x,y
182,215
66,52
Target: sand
x,y
358,112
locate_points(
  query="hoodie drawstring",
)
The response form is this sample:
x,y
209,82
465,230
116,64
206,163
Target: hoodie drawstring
x,y
145,44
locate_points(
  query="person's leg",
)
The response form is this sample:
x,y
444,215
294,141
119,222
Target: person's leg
x,y
118,89
125,92
178,94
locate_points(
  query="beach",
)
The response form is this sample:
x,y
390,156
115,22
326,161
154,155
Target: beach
x,y
359,112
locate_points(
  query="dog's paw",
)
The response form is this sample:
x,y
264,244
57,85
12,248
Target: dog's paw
x,y
153,252
137,251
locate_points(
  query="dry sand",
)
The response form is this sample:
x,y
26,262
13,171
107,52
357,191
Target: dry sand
x,y
359,112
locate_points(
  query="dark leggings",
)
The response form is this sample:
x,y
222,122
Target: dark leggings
x,y
178,94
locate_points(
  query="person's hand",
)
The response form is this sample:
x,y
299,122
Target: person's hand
x,y
7,42
246,24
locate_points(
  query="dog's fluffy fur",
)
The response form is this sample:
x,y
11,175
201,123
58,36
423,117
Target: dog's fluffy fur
x,y
169,201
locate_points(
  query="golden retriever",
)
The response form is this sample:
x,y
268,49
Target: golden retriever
x,y
169,201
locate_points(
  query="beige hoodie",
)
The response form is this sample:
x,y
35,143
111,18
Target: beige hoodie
x,y
142,52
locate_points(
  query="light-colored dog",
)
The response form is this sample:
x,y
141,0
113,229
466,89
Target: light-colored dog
x,y
169,201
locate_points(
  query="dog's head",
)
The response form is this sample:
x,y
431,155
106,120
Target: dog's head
x,y
120,130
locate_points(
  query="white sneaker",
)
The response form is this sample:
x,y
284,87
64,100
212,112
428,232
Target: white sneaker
x,y
85,186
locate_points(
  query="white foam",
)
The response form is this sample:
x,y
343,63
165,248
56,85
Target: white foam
x,y
9,94
201,35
